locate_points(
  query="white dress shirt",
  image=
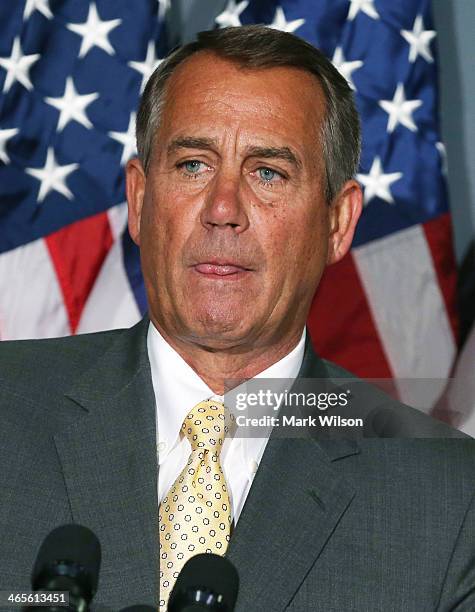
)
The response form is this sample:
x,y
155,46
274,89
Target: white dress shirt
x,y
177,390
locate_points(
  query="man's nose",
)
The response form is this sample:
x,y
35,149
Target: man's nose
x,y
224,206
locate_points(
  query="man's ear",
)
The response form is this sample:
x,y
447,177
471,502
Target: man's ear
x,y
135,190
345,210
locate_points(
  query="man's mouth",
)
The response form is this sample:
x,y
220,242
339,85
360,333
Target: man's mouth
x,y
226,269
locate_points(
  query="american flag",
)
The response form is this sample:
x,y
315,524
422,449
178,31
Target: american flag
x,y
71,73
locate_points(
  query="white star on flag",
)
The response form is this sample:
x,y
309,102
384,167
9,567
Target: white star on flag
x,y
230,15
366,6
94,32
5,136
72,106
18,66
344,67
148,65
419,40
52,176
127,139
400,110
37,5
163,6
377,184
280,22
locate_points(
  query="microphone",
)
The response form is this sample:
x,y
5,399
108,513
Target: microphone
x,y
206,582
69,560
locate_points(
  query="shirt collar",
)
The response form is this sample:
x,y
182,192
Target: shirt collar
x,y
178,388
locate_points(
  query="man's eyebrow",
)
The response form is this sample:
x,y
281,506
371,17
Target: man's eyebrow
x,y
194,142
190,142
277,153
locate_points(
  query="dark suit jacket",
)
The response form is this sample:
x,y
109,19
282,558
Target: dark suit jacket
x,y
335,525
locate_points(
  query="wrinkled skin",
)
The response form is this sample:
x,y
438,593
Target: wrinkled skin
x,y
234,239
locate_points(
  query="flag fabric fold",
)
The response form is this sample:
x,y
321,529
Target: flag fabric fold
x,y
71,74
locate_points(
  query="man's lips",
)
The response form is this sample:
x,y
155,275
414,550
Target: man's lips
x,y
221,269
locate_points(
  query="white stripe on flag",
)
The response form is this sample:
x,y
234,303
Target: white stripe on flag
x,y
117,219
401,284
461,393
111,303
31,302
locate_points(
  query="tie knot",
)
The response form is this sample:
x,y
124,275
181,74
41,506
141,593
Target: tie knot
x,y
205,427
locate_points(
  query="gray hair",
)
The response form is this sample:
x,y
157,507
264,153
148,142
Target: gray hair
x,y
257,46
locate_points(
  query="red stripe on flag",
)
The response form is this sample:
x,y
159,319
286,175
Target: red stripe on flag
x,y
341,324
78,252
439,237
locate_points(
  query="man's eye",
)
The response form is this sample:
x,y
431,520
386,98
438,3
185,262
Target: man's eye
x,y
192,166
267,174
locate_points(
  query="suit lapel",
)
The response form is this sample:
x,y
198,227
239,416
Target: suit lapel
x,y
110,466
294,505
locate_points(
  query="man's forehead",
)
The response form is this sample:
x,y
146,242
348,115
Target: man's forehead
x,y
206,70
206,85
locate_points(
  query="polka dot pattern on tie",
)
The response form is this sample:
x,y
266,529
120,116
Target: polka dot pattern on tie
x,y
195,515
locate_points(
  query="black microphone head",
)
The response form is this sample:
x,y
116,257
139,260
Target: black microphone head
x,y
212,574
69,550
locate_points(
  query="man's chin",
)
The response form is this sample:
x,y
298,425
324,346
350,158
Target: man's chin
x,y
217,333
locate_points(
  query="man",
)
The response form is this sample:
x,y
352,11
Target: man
x,y
243,192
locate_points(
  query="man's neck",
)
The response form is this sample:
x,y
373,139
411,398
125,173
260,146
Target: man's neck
x,y
218,368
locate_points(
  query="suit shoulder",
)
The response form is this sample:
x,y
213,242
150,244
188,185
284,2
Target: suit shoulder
x,y
49,363
79,346
385,416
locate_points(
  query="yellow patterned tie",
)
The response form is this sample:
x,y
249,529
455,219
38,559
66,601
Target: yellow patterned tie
x,y
195,515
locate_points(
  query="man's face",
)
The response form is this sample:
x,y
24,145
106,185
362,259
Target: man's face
x,y
233,227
